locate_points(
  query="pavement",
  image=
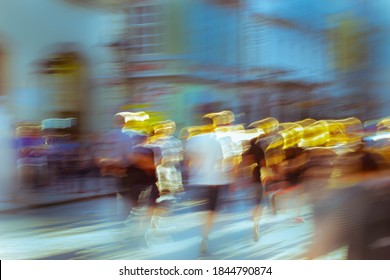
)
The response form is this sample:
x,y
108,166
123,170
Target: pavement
x,y
68,191
98,236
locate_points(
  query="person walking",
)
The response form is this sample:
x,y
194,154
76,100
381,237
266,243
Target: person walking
x,y
115,156
204,157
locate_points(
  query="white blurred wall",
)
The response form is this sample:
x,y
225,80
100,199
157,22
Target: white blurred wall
x,y
28,31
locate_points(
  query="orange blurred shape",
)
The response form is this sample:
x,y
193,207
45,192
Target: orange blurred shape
x,y
225,117
191,131
314,135
292,134
305,122
345,131
268,125
384,124
166,128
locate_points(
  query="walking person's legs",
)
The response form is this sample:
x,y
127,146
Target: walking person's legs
x,y
212,200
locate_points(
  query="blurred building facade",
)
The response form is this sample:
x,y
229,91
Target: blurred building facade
x,y
51,57
356,33
288,60
282,58
38,77
348,31
250,57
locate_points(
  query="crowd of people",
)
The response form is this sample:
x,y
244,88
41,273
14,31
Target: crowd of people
x,y
279,162
284,165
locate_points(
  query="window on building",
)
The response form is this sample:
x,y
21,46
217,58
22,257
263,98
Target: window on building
x,y
145,20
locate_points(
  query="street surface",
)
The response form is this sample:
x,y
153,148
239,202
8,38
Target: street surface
x,y
94,230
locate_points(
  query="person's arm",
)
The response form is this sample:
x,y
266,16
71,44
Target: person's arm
x,y
143,158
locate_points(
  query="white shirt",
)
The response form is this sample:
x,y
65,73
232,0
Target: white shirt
x,y
205,157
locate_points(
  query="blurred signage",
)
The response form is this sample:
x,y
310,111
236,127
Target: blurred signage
x,y
63,76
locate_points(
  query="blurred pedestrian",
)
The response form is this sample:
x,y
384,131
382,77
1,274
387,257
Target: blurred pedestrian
x,y
253,158
115,153
143,191
203,158
268,147
168,154
168,159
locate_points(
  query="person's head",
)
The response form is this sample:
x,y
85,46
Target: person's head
x,y
274,152
291,134
383,125
163,128
136,121
315,135
269,126
222,118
